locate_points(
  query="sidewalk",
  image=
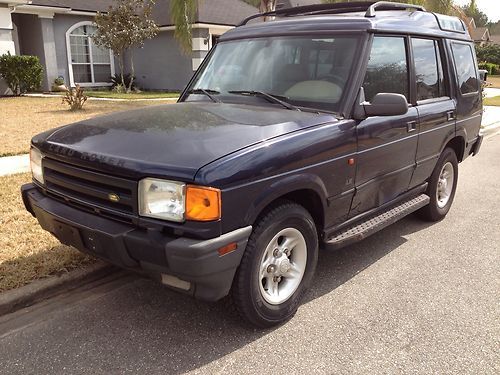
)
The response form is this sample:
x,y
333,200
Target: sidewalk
x,y
20,163
14,164
35,95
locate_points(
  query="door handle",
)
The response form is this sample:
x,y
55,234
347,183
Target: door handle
x,y
411,126
450,115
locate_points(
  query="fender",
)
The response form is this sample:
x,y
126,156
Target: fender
x,y
286,186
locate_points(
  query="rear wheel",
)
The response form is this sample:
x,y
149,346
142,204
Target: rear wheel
x,y
277,266
442,187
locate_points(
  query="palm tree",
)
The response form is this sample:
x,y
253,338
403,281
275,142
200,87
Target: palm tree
x,y
184,11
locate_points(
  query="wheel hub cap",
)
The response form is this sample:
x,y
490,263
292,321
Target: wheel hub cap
x,y
282,266
445,185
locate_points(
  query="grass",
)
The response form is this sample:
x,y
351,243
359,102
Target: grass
x,y
133,95
492,101
23,117
493,81
27,252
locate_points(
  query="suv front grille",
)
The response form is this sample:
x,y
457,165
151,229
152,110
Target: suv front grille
x,y
94,190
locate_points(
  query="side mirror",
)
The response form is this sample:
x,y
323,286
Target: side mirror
x,y
483,74
386,104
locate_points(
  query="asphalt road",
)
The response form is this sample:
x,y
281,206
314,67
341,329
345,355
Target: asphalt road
x,y
414,298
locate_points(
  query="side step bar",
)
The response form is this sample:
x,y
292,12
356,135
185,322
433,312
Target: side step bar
x,y
375,223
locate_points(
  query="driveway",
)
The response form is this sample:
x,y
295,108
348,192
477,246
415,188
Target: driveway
x,y
414,298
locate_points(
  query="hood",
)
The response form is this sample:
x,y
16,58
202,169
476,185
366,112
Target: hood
x,y
171,140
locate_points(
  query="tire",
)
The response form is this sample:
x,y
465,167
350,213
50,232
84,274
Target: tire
x,y
269,284
439,190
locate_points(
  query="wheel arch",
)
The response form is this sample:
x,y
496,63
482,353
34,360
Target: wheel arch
x,y
457,144
305,190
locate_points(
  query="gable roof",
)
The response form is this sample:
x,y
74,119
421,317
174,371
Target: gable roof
x,y
480,34
219,12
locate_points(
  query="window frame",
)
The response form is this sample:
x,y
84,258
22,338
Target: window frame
x,y
91,63
442,62
457,78
409,63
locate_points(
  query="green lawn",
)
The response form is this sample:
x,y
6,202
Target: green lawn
x,y
493,81
492,101
133,95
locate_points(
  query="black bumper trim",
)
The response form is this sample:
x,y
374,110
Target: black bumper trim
x,y
150,251
477,145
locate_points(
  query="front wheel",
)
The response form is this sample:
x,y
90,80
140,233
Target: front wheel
x,y
277,266
442,187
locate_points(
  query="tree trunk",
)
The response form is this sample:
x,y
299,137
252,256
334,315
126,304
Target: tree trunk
x,y
132,71
121,63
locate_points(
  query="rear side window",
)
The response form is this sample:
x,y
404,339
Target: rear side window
x,y
387,69
428,69
465,67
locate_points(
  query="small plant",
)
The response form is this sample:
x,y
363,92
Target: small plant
x,y
21,73
59,81
119,89
75,98
127,82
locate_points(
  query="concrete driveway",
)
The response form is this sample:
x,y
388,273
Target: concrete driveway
x,y
414,298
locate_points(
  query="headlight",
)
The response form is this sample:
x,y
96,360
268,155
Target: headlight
x,y
171,200
162,199
36,164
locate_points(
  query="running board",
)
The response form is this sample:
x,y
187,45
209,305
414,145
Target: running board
x,y
375,223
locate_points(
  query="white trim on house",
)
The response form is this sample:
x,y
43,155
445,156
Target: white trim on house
x,y
70,62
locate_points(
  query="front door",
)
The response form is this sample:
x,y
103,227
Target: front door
x,y
387,145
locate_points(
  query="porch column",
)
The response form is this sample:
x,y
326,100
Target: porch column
x,y
6,41
49,51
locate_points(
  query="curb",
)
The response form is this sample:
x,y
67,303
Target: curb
x,y
16,299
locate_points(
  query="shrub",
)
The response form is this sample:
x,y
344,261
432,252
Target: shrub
x,y
116,80
21,73
75,98
493,69
489,53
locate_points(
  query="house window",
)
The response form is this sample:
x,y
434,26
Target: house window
x,y
89,65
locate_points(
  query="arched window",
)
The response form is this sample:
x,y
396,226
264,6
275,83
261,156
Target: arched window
x,y
89,65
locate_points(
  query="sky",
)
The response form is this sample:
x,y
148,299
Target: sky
x,y
490,7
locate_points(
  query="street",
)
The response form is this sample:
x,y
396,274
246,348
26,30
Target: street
x,y
413,298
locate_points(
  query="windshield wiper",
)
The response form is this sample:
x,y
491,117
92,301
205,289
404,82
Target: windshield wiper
x,y
207,92
268,97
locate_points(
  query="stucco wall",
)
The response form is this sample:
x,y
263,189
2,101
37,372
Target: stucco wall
x,y
62,23
160,64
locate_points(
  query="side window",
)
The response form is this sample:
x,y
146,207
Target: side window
x,y
428,69
465,67
387,69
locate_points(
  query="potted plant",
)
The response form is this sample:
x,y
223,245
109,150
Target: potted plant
x,y
59,85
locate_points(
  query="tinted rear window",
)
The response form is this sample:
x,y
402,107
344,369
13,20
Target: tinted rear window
x,y
465,67
428,69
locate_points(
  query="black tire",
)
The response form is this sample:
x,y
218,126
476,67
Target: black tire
x,y
246,289
433,211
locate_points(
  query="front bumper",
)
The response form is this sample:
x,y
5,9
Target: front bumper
x,y
192,265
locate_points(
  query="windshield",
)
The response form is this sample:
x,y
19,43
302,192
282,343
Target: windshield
x,y
303,71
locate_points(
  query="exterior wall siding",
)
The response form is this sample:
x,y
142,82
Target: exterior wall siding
x,y
160,64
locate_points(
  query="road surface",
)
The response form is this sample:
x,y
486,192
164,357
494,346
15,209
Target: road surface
x,y
414,298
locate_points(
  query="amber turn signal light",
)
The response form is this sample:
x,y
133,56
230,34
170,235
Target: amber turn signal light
x,y
202,203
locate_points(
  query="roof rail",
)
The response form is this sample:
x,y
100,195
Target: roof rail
x,y
370,12
336,8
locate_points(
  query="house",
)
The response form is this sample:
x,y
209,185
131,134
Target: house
x,y
495,39
480,35
59,32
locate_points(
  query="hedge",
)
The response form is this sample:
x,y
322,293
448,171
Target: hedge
x,y
21,73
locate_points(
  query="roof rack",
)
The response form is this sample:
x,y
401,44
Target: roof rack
x,y
336,8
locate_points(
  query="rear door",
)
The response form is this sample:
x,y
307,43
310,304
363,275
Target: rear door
x,y
386,144
435,106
